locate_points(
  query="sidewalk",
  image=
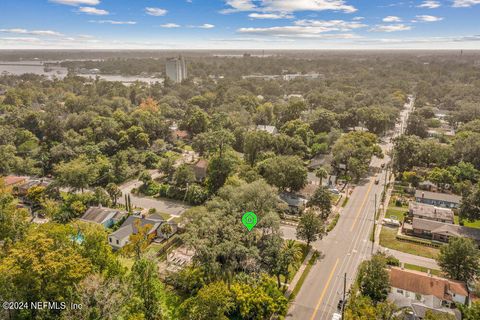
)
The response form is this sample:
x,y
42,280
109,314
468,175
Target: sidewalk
x,y
299,273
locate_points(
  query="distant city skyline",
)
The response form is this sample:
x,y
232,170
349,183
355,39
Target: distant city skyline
x,y
239,24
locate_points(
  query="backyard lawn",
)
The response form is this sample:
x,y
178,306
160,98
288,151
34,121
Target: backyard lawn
x,y
422,269
388,240
466,223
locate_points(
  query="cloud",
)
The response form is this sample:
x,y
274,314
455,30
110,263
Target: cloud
x,y
256,15
429,4
113,22
32,32
77,2
465,3
93,11
391,19
286,6
427,18
170,25
391,28
20,39
157,12
358,18
308,29
207,26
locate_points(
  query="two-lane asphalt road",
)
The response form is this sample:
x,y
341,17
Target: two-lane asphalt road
x,y
343,249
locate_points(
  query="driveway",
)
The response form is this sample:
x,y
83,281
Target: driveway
x,y
172,207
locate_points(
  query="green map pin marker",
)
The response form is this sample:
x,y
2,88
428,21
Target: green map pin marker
x,y
249,220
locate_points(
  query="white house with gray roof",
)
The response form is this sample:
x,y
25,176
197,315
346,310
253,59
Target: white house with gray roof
x,y
120,238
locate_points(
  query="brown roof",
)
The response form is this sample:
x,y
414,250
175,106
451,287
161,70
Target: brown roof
x,y
13,180
182,134
423,283
200,169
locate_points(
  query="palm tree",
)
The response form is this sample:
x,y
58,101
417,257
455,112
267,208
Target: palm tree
x,y
321,173
290,257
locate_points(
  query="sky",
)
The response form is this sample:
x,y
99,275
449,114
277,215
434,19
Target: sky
x,y
239,24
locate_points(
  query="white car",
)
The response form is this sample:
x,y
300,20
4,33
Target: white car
x,y
336,316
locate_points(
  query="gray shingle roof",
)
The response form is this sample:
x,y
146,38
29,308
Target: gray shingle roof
x,y
447,229
100,214
438,196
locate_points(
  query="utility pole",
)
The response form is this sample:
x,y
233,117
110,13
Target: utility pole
x,y
344,290
374,222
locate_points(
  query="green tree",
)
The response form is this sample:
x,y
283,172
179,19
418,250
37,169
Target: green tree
x,y
214,301
258,299
460,259
290,256
197,121
139,241
183,176
354,151
310,227
417,125
14,222
77,174
44,266
114,192
321,173
470,206
322,199
285,172
431,315
373,279
147,288
256,142
471,312
441,177
219,169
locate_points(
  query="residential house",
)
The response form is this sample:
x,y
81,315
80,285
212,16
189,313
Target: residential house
x,y
105,216
428,185
430,212
438,199
269,129
121,237
180,135
13,181
23,188
200,169
439,231
296,203
422,291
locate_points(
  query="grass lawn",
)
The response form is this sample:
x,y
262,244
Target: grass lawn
x,y
422,269
345,201
153,248
126,262
165,216
388,240
398,212
466,223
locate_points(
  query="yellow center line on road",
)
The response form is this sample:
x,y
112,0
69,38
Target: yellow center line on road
x,y
325,289
362,206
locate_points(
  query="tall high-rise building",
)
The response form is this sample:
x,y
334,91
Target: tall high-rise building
x,y
176,69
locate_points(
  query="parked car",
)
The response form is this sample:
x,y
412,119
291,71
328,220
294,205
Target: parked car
x,y
337,316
